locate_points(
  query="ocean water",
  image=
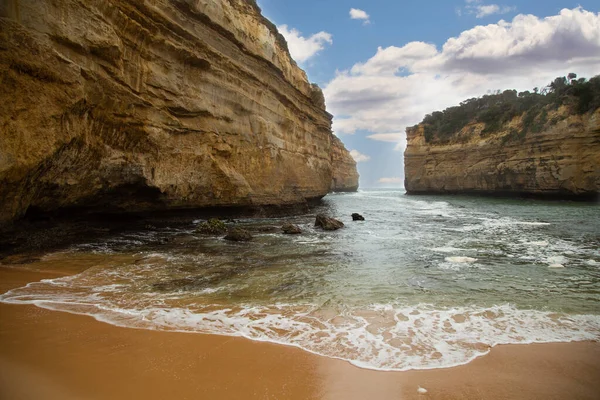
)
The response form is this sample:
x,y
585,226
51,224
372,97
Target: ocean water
x,y
424,282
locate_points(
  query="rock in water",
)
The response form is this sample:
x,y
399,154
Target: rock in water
x,y
291,229
268,229
421,390
238,235
357,217
212,227
328,223
208,110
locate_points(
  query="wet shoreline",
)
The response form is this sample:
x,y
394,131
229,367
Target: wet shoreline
x,y
73,356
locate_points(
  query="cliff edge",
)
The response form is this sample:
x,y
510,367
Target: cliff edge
x,y
136,106
345,176
551,150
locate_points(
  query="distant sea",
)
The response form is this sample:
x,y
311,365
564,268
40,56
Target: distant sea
x,y
424,282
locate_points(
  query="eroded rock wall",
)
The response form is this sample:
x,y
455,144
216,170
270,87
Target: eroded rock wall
x,y
345,176
144,105
561,161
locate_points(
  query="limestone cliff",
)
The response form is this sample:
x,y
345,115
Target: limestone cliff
x,y
561,160
133,105
345,176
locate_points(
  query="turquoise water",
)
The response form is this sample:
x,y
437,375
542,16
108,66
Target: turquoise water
x,y
424,282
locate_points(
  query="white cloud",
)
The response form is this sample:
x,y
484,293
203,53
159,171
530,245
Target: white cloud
x,y
483,10
387,137
399,85
386,61
397,137
302,48
395,179
359,157
356,13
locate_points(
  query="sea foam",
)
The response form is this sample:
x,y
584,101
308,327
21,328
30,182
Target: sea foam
x,y
379,336
460,259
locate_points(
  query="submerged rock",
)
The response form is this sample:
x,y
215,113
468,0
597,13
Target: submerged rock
x,y
238,235
357,217
199,282
291,229
268,229
328,223
212,227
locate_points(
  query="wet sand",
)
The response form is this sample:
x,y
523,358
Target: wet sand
x,y
55,355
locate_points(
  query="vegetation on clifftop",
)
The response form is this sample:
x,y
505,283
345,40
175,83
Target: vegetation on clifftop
x,y
496,110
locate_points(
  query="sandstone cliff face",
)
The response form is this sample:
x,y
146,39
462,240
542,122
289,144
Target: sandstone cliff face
x,y
345,176
561,161
145,105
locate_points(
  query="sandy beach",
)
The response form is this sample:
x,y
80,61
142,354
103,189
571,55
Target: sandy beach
x,y
55,355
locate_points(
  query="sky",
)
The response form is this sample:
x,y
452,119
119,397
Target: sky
x,y
384,64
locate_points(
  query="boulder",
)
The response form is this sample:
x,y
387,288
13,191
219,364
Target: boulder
x,y
291,229
238,235
357,217
328,223
212,227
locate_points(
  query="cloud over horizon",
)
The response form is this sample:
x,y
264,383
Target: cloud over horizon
x,y
395,180
302,48
387,137
397,86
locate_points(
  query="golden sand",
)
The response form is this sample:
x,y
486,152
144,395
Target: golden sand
x,y
55,355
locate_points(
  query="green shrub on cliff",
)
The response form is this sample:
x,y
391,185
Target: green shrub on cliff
x,y
496,110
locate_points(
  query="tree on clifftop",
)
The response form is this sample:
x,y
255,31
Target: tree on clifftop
x,y
496,110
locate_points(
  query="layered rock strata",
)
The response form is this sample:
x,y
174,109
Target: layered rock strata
x,y
131,105
345,176
563,160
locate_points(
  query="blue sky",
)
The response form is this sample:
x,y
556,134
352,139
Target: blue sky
x,y
384,64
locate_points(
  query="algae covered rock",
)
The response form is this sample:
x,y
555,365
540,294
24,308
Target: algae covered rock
x,y
291,229
238,235
328,223
213,226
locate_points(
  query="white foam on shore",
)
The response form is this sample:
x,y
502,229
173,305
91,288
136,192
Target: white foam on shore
x,y
460,259
432,208
499,224
541,243
556,260
447,249
380,336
